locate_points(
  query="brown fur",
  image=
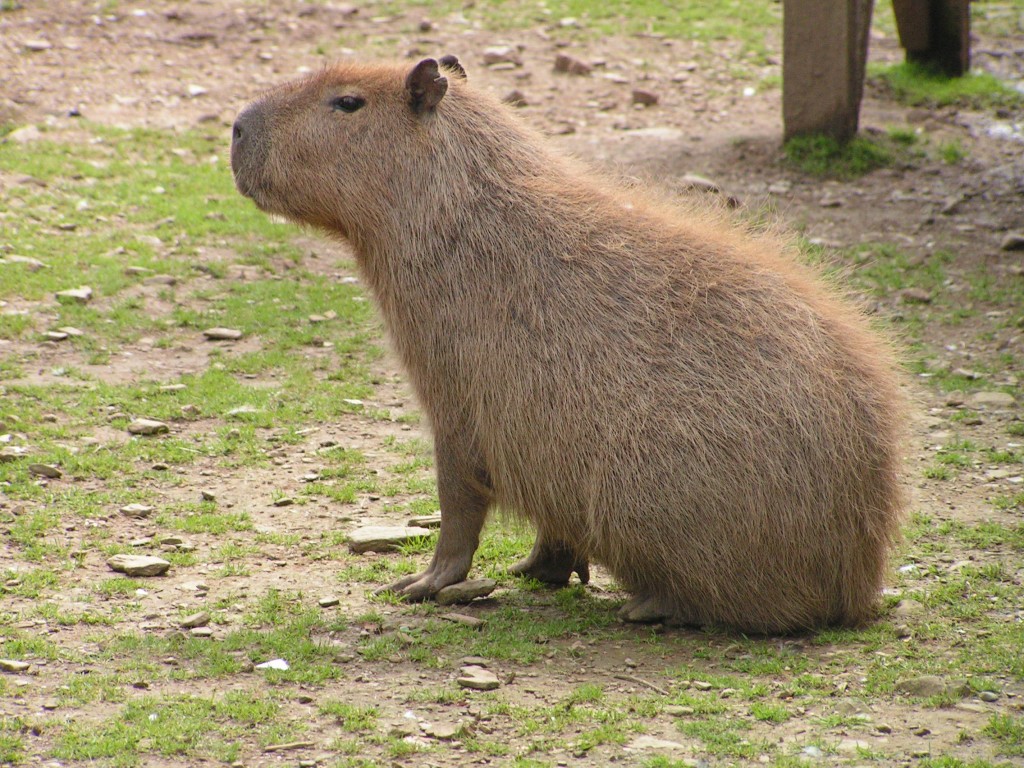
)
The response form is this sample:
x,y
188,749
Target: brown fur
x,y
655,389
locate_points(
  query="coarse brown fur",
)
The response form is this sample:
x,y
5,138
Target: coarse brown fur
x,y
654,389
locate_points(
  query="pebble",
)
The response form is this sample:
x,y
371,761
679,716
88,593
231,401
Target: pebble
x,y
45,470
928,685
502,54
55,336
446,731
988,696
196,90
677,710
641,743
200,619
464,619
138,565
850,746
284,501
426,521
222,334
278,664
644,98
906,609
383,538
700,685
1012,241
465,591
81,295
991,400
201,632
148,427
477,678
915,296
206,495
328,602
32,265
515,98
10,665
571,65
136,510
25,135
37,45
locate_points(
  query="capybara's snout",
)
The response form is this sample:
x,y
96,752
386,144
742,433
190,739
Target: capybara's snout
x,y
248,147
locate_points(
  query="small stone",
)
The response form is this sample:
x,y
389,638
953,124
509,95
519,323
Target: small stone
x,y
161,280
222,334
515,98
502,54
37,45
25,135
951,204
446,731
883,728
10,665
148,427
991,400
921,731
988,696
915,296
137,270
698,183
927,685
464,619
830,202
32,265
465,591
907,609
383,538
55,336
284,501
138,565
207,495
328,602
13,453
81,295
571,65
201,632
45,470
136,510
279,664
190,411
478,679
194,620
426,521
700,685
812,751
955,399
1012,241
50,704
677,710
850,746
195,91
644,98
317,319
642,743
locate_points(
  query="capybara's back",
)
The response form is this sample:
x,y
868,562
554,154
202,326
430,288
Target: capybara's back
x,y
655,389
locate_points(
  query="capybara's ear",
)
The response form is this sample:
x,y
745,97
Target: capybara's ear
x,y
426,86
451,62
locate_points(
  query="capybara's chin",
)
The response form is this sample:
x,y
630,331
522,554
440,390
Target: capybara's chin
x,y
655,388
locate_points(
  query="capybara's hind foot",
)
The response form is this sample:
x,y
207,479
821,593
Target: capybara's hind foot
x,y
649,609
552,563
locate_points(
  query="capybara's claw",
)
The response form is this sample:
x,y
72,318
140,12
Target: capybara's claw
x,y
552,564
422,586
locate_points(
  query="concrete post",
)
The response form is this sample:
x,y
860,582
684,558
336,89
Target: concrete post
x,y
825,50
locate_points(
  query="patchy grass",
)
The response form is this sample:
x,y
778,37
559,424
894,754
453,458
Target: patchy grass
x,y
824,157
912,83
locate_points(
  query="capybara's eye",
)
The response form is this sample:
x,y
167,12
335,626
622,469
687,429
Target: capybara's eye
x,y
347,103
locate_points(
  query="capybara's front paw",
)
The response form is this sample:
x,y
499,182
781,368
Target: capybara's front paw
x,y
423,586
648,609
552,564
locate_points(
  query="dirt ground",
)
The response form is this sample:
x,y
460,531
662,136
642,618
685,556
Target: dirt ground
x,y
188,65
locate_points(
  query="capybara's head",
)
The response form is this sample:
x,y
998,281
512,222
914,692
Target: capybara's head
x,y
344,141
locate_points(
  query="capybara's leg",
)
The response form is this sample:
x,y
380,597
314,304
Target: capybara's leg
x,y
552,562
464,497
648,608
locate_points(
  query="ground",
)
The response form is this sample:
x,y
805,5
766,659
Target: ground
x,y
282,442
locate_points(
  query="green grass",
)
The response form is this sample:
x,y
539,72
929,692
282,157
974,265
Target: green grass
x,y
912,83
824,157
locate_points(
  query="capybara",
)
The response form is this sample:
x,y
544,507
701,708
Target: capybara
x,y
656,389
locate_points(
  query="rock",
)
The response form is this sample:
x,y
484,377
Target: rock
x,y
201,632
136,510
148,427
991,400
915,296
641,743
988,696
927,685
82,295
955,399
55,336
571,65
699,183
207,495
502,54
644,98
138,565
427,521
37,45
25,135
278,664
242,410
284,501
700,685
1012,241
850,746
161,280
677,710
906,609
194,91
446,731
32,265
464,619
515,98
477,678
10,665
222,334
13,453
951,204
465,591
45,470
383,538
200,619
328,602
